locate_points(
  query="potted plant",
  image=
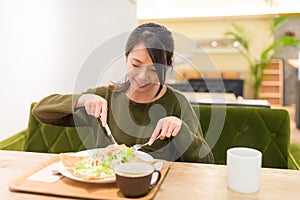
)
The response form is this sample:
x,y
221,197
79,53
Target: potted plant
x,y
259,64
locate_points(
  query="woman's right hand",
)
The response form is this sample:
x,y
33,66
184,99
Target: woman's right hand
x,y
94,105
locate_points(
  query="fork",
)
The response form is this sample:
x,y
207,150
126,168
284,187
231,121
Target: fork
x,y
138,146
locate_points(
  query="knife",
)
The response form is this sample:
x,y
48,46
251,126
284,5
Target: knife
x,y
109,134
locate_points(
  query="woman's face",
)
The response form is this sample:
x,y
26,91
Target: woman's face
x,y
140,69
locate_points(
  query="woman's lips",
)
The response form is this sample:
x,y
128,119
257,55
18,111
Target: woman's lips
x,y
141,85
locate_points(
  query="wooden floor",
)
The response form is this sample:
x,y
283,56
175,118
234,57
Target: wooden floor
x,y
295,132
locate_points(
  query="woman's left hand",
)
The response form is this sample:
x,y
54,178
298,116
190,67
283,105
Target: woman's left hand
x,y
166,127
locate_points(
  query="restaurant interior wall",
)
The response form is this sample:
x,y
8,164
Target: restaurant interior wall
x,y
257,28
44,44
292,27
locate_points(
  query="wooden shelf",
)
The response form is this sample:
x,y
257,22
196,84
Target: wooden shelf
x,y
271,88
270,83
270,95
271,71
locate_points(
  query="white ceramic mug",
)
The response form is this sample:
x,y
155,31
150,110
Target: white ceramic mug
x,y
243,169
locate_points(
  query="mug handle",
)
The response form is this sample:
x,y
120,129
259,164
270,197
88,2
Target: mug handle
x,y
157,179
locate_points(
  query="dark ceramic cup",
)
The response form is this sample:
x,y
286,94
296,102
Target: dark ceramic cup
x,y
134,178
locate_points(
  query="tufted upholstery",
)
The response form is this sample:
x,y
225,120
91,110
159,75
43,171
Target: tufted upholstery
x,y
47,138
267,130
295,152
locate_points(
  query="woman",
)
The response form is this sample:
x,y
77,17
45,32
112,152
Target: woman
x,y
140,109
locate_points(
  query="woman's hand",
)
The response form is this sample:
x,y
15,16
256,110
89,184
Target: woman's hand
x,y
94,105
166,127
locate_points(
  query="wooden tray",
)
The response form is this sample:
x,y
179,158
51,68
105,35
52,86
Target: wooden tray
x,y
71,188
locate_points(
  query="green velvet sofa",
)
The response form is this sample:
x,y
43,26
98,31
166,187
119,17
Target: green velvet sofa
x,y
267,130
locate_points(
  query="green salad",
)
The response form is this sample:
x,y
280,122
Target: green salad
x,y
101,163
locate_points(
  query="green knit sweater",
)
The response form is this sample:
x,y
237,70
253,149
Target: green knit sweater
x,y
131,122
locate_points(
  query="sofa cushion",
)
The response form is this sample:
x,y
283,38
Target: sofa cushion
x,y
295,151
14,142
43,137
267,130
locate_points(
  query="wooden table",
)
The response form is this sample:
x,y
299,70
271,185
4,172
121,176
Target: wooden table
x,y
183,181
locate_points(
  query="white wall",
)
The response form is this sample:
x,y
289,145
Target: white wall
x,y
156,9
43,45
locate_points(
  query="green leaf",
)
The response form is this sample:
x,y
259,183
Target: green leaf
x,y
239,35
287,41
258,66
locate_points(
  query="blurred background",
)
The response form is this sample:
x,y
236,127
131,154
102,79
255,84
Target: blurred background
x,y
45,43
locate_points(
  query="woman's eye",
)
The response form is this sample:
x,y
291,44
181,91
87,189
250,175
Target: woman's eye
x,y
134,65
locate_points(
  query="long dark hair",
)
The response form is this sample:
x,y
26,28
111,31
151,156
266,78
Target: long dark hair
x,y
160,46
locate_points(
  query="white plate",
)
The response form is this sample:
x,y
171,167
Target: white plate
x,y
66,173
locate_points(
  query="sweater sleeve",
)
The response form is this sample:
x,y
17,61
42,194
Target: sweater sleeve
x,y
56,109
59,109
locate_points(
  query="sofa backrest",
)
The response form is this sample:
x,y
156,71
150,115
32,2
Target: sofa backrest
x,y
48,138
267,130
264,129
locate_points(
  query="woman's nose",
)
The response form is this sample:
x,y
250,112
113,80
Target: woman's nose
x,y
143,74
